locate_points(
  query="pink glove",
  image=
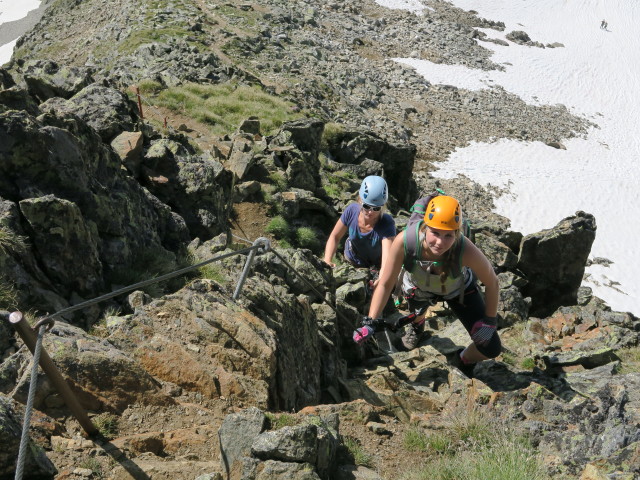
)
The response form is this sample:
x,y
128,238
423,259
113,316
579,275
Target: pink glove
x,y
362,334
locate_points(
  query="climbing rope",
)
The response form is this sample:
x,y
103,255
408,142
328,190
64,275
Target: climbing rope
x,y
43,326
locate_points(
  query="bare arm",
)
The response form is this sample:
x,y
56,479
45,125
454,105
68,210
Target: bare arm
x,y
476,261
386,248
388,275
332,242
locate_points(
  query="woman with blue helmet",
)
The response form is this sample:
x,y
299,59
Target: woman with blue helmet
x,y
371,231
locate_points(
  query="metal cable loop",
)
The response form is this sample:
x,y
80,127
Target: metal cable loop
x,y
46,321
241,238
27,412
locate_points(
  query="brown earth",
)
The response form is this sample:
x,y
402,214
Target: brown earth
x,y
181,442
249,220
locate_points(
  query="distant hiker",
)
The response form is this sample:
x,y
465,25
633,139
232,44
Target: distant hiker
x,y
371,230
603,24
445,267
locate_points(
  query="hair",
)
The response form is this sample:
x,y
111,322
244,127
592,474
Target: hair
x,y
448,261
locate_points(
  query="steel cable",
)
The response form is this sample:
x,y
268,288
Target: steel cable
x,y
27,412
145,283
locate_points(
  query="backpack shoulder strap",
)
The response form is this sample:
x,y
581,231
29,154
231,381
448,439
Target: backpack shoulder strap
x,y
412,247
459,253
466,232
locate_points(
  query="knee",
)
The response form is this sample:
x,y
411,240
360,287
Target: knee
x,y
492,348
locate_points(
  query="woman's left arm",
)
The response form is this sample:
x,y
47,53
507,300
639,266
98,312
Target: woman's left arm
x,y
479,263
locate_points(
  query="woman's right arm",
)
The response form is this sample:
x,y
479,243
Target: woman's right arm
x,y
332,242
390,273
479,263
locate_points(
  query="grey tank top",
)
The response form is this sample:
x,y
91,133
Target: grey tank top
x,y
425,285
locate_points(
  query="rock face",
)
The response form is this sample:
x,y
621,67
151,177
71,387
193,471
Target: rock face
x,y
84,214
83,359
106,110
36,465
368,155
46,79
554,261
60,237
199,341
304,451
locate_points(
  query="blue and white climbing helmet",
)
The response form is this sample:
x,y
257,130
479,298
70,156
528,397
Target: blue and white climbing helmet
x,y
374,191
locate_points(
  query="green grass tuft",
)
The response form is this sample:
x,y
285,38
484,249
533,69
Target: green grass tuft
x,y
99,329
331,135
92,463
224,106
11,242
149,87
107,425
473,445
630,358
277,421
360,456
279,227
415,441
213,272
283,243
8,295
278,181
473,427
509,358
307,238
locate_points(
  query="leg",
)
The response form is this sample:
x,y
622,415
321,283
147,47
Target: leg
x,y
469,313
414,331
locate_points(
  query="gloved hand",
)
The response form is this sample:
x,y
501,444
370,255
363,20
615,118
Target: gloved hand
x,y
368,329
483,330
362,334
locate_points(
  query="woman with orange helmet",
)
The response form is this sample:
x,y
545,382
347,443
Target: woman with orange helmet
x,y
441,264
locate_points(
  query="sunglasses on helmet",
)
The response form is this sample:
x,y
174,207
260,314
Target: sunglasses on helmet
x,y
366,206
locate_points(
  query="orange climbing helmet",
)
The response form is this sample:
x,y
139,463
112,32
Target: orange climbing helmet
x,y
443,212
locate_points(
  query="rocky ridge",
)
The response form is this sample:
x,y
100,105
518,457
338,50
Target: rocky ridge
x,y
333,59
198,383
